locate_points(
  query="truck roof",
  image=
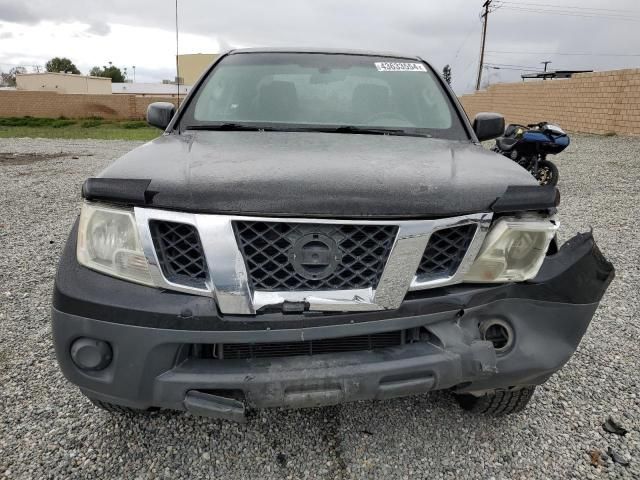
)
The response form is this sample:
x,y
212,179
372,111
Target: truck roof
x,y
330,51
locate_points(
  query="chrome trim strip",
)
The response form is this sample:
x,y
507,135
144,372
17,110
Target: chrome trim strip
x,y
143,215
402,263
229,282
326,301
227,270
484,224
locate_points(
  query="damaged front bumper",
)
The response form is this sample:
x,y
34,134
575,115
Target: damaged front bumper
x,y
152,336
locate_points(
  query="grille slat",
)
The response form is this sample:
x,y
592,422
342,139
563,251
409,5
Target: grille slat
x,y
312,347
445,251
180,252
362,252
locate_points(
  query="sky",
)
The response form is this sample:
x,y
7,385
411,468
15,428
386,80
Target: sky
x,y
572,34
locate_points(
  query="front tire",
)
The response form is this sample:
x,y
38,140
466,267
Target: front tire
x,y
497,403
547,173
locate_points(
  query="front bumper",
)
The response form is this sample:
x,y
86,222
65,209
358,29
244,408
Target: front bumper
x,y
150,333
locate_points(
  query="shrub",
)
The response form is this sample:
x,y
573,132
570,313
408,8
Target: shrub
x,y
133,125
59,123
27,122
91,123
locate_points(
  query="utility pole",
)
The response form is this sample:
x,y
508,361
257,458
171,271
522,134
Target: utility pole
x,y
177,53
485,17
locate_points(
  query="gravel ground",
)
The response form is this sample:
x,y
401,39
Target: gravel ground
x,y
48,430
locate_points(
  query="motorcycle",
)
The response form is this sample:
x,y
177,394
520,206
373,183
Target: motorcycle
x,y
529,146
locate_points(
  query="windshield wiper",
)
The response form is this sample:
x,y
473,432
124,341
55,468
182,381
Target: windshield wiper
x,y
229,127
370,131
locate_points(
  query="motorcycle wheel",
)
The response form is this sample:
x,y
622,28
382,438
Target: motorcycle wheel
x,y
547,173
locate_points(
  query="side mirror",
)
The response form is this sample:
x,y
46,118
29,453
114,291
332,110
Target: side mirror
x,y
159,114
488,126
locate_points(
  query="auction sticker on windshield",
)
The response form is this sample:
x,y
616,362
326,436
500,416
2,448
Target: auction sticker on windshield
x,y
400,67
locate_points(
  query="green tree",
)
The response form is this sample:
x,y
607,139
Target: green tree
x,y
61,64
446,74
111,71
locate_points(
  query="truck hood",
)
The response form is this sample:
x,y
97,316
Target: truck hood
x,y
319,174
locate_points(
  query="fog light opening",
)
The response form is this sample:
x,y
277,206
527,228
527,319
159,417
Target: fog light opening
x,y
499,333
91,354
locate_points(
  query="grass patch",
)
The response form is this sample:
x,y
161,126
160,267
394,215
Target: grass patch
x,y
93,127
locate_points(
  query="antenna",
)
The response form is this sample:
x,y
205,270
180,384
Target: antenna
x,y
177,62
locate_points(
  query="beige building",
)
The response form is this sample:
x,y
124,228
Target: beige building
x,y
150,89
63,83
193,65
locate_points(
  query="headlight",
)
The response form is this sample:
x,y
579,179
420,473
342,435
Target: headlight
x,y
108,242
513,250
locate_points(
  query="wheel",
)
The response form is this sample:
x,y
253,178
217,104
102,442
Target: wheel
x,y
502,402
117,409
547,173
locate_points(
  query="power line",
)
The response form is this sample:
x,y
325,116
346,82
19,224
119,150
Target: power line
x,y
568,7
525,67
490,6
471,30
569,13
566,11
513,68
513,65
586,54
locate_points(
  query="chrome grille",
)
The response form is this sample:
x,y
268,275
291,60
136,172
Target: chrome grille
x,y
355,255
179,252
445,251
355,281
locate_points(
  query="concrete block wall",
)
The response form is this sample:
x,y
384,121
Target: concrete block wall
x,y
53,105
600,102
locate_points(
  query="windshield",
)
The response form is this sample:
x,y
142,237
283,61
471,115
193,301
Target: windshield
x,y
309,91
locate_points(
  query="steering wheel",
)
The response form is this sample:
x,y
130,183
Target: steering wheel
x,y
391,115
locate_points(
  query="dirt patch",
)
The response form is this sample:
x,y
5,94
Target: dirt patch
x,y
28,158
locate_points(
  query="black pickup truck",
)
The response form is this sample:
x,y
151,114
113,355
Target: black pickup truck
x,y
316,227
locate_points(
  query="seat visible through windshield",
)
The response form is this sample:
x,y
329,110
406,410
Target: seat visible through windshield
x,y
325,89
